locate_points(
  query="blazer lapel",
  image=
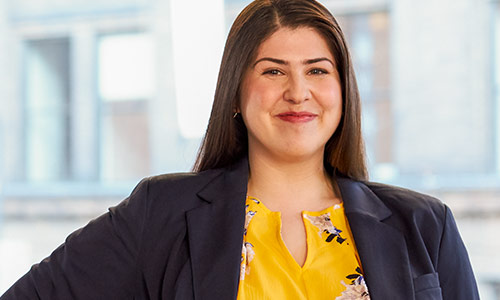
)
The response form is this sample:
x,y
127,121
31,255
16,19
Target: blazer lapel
x,y
215,233
382,248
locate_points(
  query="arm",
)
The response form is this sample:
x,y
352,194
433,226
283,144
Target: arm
x,y
98,261
455,272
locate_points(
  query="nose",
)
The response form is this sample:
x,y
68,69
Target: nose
x,y
297,89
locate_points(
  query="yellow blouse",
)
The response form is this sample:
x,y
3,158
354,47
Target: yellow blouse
x,y
332,269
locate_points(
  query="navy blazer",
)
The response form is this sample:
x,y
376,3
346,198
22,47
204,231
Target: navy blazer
x,y
179,236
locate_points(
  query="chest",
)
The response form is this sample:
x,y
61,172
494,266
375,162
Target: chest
x,y
304,254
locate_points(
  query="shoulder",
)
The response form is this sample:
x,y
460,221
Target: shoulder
x,y
409,204
182,180
417,216
399,196
178,182
177,190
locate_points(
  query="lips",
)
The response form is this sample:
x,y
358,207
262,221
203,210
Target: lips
x,y
297,117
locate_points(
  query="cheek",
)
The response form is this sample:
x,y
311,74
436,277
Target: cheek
x,y
331,98
258,98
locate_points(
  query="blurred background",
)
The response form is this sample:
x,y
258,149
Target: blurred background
x,y
96,94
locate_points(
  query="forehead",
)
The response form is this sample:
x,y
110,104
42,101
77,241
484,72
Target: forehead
x,y
301,42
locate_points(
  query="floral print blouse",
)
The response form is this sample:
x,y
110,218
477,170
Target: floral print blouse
x,y
332,269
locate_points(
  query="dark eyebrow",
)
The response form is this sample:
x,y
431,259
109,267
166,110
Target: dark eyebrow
x,y
315,60
283,62
274,60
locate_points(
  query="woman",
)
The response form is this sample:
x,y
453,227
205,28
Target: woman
x,y
278,206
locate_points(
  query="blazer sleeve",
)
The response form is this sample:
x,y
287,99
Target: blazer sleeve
x,y
455,272
98,261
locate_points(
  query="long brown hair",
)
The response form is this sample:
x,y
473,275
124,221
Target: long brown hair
x,y
226,139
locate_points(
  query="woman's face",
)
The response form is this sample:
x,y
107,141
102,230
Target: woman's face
x,y
291,98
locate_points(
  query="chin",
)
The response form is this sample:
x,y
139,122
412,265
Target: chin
x,y
296,154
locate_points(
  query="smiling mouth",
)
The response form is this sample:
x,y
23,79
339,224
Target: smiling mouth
x,y
296,117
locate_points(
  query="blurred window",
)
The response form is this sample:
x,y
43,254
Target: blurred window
x,y
367,34
125,85
47,101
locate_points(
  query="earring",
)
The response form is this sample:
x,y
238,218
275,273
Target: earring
x,y
235,115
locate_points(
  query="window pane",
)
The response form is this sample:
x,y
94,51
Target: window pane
x,y
126,67
368,37
124,141
126,83
46,92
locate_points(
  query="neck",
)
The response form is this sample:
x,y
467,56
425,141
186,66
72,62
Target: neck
x,y
301,184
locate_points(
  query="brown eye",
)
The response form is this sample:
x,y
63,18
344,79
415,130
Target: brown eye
x,y
318,72
273,72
